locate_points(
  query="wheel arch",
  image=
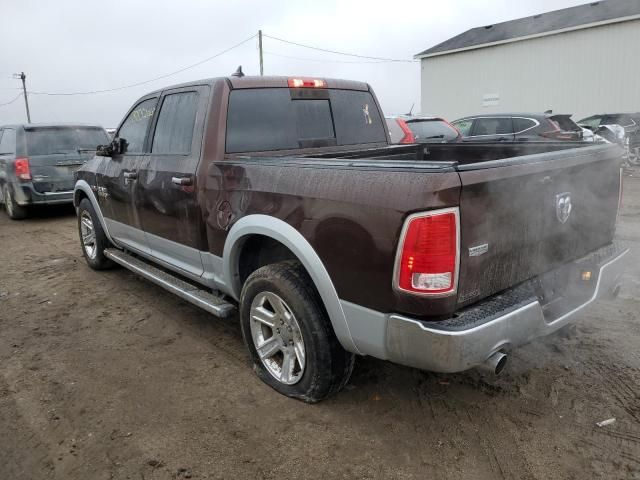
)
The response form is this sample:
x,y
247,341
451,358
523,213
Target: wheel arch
x,y
83,190
283,233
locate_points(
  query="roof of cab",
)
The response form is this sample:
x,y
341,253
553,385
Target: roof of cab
x,y
255,81
31,126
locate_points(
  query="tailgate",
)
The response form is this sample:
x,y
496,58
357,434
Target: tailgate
x,y
54,173
523,216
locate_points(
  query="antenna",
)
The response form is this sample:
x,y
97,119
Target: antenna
x,y
411,109
238,73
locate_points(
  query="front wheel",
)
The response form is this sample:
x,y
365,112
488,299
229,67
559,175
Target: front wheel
x,y
289,336
92,237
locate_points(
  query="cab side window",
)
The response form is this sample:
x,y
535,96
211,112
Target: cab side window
x,y
134,128
176,120
8,141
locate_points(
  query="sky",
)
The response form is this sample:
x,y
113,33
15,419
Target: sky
x,y
71,46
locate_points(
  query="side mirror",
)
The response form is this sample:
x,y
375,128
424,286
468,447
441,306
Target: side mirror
x,y
117,147
103,150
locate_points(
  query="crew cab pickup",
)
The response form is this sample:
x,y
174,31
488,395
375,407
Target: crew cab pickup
x,y
282,198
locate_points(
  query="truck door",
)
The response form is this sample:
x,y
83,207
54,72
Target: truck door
x,y
167,186
117,193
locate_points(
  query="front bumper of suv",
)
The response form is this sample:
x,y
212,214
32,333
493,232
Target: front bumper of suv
x,y
504,321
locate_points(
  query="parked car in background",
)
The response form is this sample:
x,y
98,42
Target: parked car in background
x,y
282,196
37,162
629,121
517,127
421,129
603,123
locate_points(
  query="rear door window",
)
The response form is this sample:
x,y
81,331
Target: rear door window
x,y
64,140
134,128
270,119
493,126
8,141
437,130
174,130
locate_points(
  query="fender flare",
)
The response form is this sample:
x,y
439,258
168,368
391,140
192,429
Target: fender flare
x,y
83,186
290,237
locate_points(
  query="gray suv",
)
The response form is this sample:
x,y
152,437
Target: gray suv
x,y
37,162
518,127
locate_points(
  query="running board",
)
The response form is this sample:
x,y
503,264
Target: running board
x,y
191,293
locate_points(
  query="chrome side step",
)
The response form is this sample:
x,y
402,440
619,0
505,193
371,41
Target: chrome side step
x,y
191,293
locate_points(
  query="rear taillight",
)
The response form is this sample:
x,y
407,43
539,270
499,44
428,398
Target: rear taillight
x,y
428,255
408,134
306,83
21,166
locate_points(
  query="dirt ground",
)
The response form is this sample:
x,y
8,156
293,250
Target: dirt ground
x,y
104,375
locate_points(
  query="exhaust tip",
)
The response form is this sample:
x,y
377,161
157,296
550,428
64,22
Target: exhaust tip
x,y
495,363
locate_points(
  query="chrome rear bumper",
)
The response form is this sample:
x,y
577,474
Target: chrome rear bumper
x,y
429,346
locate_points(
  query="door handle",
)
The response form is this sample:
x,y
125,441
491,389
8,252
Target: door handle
x,y
130,175
182,181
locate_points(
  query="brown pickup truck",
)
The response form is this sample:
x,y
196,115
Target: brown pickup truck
x,y
282,197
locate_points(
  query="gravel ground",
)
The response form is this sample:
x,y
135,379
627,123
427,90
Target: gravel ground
x,y
104,375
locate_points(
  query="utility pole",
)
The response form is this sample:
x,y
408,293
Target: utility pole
x,y
23,77
260,48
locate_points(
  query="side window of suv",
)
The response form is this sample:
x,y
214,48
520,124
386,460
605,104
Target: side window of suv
x,y
522,124
464,126
8,141
176,120
493,126
134,128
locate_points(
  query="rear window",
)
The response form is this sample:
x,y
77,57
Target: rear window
x,y
47,141
437,130
270,119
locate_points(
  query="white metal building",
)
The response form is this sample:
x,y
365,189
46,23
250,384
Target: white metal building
x,y
581,60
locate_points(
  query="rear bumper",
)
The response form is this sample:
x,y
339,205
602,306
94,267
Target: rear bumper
x,y
25,194
500,323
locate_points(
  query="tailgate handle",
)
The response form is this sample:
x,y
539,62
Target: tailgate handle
x,y
130,175
182,181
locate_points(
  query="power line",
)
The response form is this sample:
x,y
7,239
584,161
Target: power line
x,y
11,101
337,52
320,59
146,81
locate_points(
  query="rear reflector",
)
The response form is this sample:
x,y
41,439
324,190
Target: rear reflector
x,y
21,166
428,255
306,83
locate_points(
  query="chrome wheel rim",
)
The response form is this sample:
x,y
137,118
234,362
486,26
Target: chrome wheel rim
x,y
88,234
277,338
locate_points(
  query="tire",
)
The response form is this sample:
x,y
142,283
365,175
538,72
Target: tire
x,y
14,211
327,366
92,237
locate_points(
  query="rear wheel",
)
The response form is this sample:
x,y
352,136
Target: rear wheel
x,y
14,211
289,336
92,237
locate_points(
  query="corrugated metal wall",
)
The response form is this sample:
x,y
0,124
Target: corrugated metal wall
x,y
595,70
